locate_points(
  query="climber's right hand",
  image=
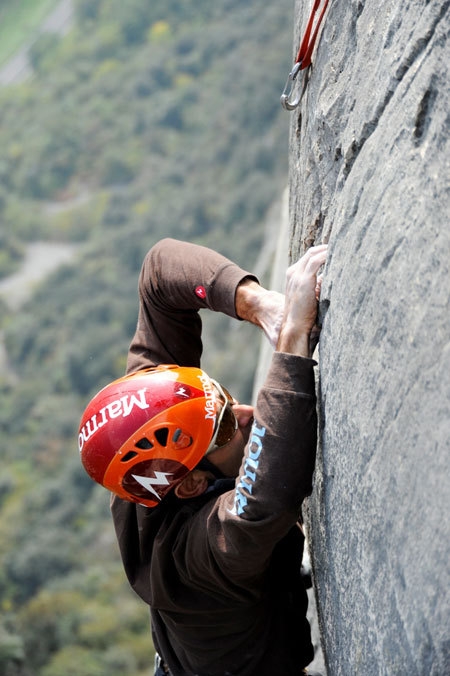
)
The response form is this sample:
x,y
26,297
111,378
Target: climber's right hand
x,y
300,310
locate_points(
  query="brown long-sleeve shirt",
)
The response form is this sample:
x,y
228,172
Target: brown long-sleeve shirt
x,y
221,573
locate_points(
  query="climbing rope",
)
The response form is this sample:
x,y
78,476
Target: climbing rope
x,y
303,60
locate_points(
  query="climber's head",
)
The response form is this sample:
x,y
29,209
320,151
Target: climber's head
x,y
142,434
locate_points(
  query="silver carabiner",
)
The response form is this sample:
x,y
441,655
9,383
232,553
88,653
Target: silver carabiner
x,y
285,99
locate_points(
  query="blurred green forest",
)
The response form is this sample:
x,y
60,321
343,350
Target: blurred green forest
x,y
147,119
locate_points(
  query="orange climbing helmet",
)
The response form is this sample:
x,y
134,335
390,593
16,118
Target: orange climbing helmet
x,y
141,434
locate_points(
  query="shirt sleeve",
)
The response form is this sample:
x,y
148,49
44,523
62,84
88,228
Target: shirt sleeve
x,y
177,280
245,524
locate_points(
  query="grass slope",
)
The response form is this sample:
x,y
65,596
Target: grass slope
x,y
19,23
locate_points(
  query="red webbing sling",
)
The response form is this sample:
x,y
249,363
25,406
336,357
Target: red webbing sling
x,y
303,60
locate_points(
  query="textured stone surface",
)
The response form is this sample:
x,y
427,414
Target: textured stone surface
x,y
370,173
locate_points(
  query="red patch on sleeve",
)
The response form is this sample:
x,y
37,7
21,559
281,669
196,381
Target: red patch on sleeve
x,y
200,291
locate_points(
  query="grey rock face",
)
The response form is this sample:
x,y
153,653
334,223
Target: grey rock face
x,y
370,174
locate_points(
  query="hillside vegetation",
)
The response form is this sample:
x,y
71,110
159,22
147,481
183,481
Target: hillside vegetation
x,y
149,119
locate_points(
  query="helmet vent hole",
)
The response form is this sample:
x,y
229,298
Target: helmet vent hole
x,y
128,456
162,435
144,444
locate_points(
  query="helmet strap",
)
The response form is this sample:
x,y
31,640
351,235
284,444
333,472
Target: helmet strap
x,y
207,466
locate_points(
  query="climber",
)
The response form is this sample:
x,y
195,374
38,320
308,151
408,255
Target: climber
x,y
207,492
